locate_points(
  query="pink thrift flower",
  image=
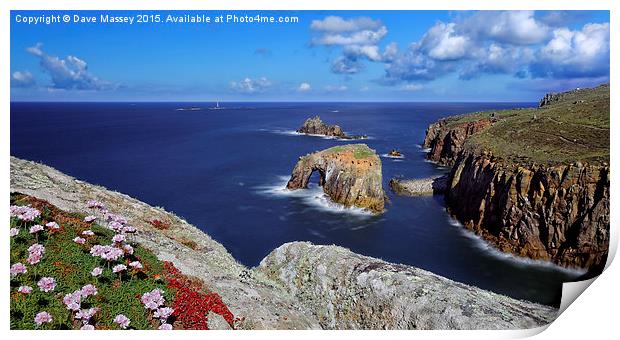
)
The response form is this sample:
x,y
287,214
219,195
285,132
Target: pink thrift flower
x,y
36,248
79,240
42,317
89,290
129,229
87,327
24,213
96,272
122,321
52,225
117,227
47,284
36,228
17,269
34,258
88,233
118,238
24,289
73,300
165,327
128,249
119,268
163,313
135,265
90,218
95,204
86,314
14,232
153,299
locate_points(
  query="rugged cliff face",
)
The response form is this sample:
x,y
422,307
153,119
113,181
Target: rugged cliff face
x,y
445,140
299,285
315,126
350,291
557,210
349,174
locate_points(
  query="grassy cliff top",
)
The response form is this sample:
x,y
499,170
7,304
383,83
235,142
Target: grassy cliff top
x,y
360,151
570,126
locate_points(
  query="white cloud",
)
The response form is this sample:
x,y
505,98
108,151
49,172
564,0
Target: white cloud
x,y
338,24
304,87
346,65
510,27
412,87
442,43
22,79
70,73
250,86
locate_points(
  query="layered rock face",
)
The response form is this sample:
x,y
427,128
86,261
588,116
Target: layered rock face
x,y
558,213
351,291
349,174
315,126
445,144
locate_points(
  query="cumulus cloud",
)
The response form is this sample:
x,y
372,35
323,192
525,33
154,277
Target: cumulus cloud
x,y
250,86
304,87
70,73
517,43
358,38
22,79
576,53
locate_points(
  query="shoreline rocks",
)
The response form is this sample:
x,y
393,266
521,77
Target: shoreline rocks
x,y
419,187
349,174
315,126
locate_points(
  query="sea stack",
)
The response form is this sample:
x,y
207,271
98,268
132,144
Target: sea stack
x,y
315,126
350,175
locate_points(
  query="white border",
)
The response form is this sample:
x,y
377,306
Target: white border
x,y
593,315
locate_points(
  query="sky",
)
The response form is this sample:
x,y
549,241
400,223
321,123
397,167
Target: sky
x,y
436,56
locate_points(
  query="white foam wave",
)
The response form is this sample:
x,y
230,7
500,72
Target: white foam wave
x,y
313,197
295,133
485,246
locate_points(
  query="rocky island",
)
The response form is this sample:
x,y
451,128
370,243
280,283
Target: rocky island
x,y
533,182
315,126
349,174
298,285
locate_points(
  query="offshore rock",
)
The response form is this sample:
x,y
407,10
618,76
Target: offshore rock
x,y
315,126
349,174
351,291
419,187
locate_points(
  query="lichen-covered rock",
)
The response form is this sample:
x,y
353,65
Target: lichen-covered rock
x,y
349,174
419,187
350,291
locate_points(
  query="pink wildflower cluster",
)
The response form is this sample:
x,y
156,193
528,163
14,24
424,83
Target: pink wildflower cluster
x,y
119,268
42,317
17,269
53,225
96,271
88,233
154,301
108,253
122,321
47,284
24,289
36,228
73,301
90,218
14,232
135,265
35,253
24,213
86,315
79,240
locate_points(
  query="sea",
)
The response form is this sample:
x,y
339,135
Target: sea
x,y
225,170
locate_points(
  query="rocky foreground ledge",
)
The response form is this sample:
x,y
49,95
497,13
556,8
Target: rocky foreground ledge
x,y
298,285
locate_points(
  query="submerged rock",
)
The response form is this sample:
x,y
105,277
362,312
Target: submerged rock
x,y
350,291
315,126
350,175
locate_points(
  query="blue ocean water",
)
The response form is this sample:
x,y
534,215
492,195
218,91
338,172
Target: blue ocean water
x,y
225,171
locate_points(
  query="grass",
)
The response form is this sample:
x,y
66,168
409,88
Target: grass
x,y
360,151
576,128
70,264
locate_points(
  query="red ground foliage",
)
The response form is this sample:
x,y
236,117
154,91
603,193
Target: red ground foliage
x,y
191,305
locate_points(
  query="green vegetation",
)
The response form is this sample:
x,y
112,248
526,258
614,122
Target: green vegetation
x,y
574,128
360,151
70,264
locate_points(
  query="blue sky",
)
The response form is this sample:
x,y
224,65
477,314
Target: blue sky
x,y
326,56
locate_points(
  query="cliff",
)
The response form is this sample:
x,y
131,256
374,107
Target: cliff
x,y
298,286
534,182
315,126
349,174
